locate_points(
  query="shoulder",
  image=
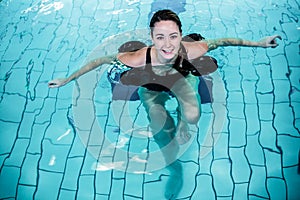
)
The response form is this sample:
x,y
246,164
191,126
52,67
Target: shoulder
x,y
133,59
195,49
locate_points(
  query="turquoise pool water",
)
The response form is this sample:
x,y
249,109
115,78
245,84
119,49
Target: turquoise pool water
x,y
76,143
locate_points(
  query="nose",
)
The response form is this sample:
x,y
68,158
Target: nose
x,y
167,42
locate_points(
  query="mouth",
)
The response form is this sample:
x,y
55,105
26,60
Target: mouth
x,y
167,51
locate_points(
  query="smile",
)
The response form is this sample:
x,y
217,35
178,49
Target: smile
x,y
167,52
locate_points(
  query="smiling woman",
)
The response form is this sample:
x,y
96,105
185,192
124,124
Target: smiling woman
x,y
164,61
78,142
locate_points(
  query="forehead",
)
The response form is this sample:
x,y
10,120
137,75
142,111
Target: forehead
x,y
165,27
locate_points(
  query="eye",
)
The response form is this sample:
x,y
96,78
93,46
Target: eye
x,y
159,38
173,37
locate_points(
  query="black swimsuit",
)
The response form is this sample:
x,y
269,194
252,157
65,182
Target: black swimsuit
x,y
163,83
145,77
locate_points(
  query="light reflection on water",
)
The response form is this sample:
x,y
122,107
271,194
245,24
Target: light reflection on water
x,y
45,7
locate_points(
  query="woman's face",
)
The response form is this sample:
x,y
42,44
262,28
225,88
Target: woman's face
x,y
166,38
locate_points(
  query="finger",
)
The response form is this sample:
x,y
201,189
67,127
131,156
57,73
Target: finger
x,y
273,45
278,36
52,85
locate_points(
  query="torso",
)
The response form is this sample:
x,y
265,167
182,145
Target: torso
x,y
163,75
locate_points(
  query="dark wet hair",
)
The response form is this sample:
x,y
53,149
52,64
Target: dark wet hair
x,y
193,37
165,15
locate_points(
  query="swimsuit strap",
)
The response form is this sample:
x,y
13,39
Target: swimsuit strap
x,y
186,64
148,57
148,66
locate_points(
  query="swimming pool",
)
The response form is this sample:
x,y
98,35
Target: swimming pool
x,y
45,154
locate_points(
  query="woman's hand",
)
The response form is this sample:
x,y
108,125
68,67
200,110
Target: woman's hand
x,y
57,82
269,41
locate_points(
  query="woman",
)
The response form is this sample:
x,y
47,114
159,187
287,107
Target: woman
x,y
166,34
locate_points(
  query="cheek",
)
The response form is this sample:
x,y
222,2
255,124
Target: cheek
x,y
158,43
177,44
178,40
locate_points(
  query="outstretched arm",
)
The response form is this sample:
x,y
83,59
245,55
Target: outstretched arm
x,y
269,41
86,68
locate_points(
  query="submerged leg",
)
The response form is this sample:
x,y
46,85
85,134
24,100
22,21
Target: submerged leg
x,y
182,131
161,122
163,127
189,110
175,181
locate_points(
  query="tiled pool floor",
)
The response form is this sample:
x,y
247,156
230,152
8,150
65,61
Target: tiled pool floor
x,y
49,148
